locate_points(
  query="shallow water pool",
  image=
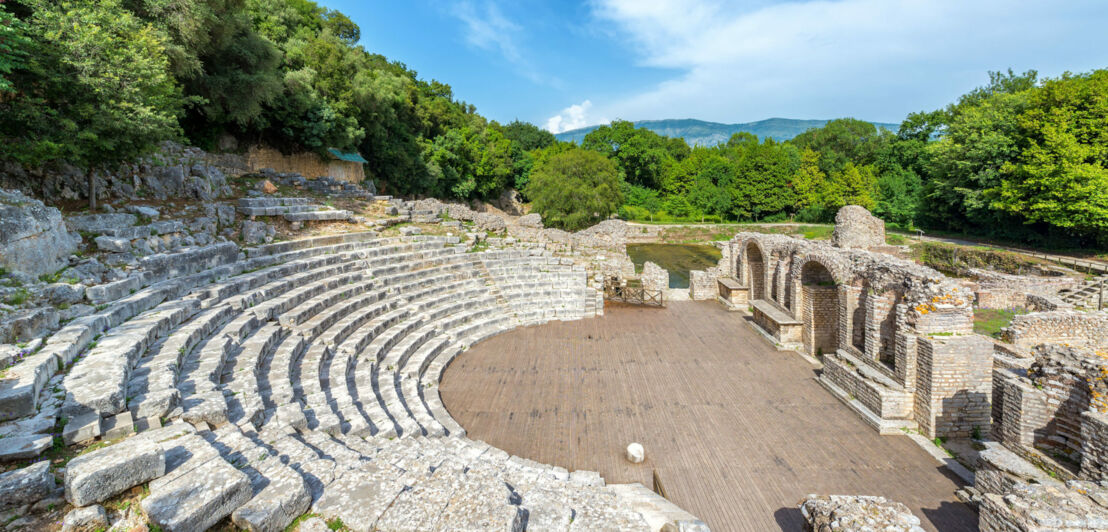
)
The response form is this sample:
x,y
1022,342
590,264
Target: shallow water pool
x,y
677,259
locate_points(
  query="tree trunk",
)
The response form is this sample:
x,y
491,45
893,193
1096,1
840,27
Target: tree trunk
x,y
92,191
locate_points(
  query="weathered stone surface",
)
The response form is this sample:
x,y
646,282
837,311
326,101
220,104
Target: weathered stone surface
x,y
143,210
410,230
103,473
27,485
28,324
24,446
267,187
118,426
1079,505
33,239
654,277
851,513
533,220
284,498
856,228
510,202
255,232
113,244
87,519
199,498
686,526
635,453
64,293
101,223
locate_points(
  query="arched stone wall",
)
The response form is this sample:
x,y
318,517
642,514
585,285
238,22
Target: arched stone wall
x,y
754,259
817,305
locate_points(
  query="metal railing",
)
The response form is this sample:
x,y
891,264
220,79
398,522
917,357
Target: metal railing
x,y
633,295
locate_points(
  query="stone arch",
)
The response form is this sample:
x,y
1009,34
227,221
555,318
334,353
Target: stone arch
x,y
817,305
754,268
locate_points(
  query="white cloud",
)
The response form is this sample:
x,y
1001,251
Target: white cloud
x,y
487,28
874,59
572,117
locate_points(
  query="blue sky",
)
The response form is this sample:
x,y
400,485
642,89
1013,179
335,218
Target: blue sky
x,y
567,64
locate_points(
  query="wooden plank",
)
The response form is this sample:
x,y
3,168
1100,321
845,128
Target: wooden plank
x,y
738,432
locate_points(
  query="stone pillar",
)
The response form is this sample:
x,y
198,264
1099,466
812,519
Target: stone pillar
x,y
654,277
954,385
1094,445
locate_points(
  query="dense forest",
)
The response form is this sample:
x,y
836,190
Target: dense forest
x,y
98,82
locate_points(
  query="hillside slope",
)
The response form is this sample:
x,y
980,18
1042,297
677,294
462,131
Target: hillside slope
x,y
703,133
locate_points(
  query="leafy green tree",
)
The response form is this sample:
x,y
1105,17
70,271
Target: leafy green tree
x,y
809,179
642,154
230,71
575,189
14,46
1060,176
762,174
842,141
102,93
527,135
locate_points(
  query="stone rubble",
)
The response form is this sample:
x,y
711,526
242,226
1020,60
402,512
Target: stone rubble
x,y
856,513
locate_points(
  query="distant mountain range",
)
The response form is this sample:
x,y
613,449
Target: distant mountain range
x,y
702,133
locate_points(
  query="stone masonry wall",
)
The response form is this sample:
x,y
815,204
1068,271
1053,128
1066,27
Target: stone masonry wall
x,y
654,277
702,284
821,319
954,386
1059,327
1094,445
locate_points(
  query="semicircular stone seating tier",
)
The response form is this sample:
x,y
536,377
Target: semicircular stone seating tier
x,y
304,378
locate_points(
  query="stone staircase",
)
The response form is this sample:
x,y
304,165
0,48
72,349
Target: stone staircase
x,y
304,378
291,209
1087,294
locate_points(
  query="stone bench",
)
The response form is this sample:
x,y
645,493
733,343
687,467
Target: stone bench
x,y
776,322
732,293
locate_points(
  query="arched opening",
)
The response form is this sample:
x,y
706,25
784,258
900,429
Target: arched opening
x,y
884,310
756,271
820,310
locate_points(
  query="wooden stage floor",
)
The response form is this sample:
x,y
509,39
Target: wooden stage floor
x,y
738,432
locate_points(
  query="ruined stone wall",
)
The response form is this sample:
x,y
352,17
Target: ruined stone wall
x,y
954,386
1077,505
1094,445
998,290
1023,411
821,319
1069,327
307,164
702,284
654,277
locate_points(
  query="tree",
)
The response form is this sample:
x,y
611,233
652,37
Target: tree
x,y
762,175
14,46
1060,177
641,153
575,189
528,136
842,141
102,93
809,179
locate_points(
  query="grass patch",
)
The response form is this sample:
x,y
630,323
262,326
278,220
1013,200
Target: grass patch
x,y
818,232
18,298
989,321
894,239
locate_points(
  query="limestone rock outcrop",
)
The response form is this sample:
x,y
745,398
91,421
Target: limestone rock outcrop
x,y
33,238
856,228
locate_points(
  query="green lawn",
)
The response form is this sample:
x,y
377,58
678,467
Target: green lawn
x,y
989,321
